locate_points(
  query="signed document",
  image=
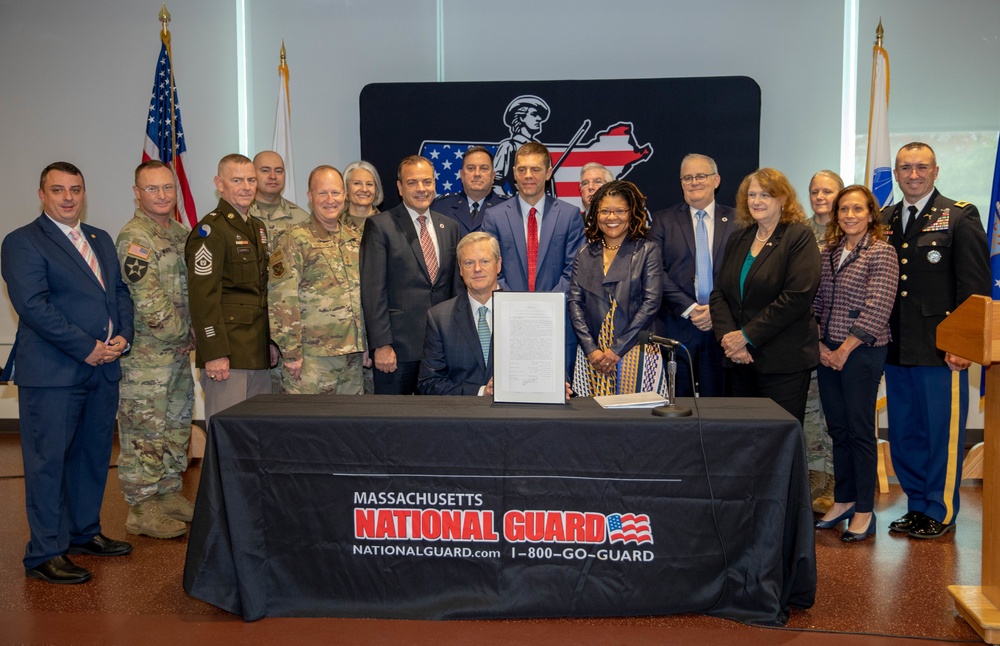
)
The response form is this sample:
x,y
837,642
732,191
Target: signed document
x,y
529,332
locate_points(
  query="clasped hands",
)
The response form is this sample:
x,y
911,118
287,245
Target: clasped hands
x,y
106,351
734,345
603,361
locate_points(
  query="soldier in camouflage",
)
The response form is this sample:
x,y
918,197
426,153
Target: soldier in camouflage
x,y
314,296
823,189
157,390
277,213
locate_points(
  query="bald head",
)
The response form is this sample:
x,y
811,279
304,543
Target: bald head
x,y
270,176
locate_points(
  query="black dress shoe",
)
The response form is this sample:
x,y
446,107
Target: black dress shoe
x,y
101,545
58,569
907,522
930,528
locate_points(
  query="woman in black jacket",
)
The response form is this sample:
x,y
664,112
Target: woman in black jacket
x,y
615,293
762,302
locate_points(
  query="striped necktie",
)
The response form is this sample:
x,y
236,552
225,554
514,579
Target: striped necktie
x,y
88,254
430,257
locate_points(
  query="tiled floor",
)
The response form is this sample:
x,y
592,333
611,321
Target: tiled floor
x,y
877,592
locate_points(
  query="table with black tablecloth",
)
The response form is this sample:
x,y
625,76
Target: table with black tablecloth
x,y
456,507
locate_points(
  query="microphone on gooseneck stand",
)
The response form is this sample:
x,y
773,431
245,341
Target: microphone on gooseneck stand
x,y
670,409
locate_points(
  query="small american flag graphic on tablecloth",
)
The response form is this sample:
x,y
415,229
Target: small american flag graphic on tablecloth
x,y
629,528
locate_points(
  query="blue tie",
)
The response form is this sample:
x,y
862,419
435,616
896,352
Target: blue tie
x,y
703,259
484,332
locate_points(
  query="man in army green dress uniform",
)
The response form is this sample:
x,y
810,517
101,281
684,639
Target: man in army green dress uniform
x,y
277,213
227,284
157,391
315,296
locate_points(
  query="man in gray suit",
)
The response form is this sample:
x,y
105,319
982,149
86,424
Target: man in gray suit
x,y
407,265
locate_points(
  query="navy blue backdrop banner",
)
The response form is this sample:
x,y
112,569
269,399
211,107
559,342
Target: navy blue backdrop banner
x,y
639,128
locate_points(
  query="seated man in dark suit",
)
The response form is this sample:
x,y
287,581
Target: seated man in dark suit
x,y
458,344
692,236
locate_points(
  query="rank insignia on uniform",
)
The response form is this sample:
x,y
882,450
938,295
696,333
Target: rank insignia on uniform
x,y
135,269
962,204
203,261
934,257
204,230
138,251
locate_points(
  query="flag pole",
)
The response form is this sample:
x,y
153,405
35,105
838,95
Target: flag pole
x,y
876,50
164,17
283,68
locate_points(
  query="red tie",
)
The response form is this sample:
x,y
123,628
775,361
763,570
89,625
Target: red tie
x,y
532,248
430,257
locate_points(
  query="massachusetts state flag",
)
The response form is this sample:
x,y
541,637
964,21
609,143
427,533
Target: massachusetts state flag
x,y
164,134
629,528
878,167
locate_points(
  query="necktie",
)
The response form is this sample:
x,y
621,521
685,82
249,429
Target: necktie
x,y
474,211
428,248
909,220
532,248
703,260
484,332
88,254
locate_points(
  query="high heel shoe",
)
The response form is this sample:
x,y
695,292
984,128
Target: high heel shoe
x,y
828,524
850,537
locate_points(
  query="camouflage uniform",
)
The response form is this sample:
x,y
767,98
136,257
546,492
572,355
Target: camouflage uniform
x,y
157,390
819,444
314,300
287,216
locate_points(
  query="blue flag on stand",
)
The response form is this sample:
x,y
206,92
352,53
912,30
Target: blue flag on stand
x,y
993,231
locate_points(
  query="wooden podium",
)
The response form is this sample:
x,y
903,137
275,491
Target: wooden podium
x,y
973,331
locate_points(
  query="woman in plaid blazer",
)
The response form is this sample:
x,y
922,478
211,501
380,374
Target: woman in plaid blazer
x,y
856,292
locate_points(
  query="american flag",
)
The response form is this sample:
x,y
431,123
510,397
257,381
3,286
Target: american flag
x,y
163,121
629,528
615,147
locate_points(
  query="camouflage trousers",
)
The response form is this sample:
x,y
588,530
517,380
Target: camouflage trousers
x,y
819,445
340,375
154,428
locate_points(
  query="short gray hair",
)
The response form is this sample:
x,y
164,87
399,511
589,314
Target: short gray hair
x,y
475,237
608,177
706,158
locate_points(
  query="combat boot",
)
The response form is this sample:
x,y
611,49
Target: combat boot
x,y
148,519
823,502
176,506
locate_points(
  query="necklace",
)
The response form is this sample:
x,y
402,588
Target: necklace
x,y
610,247
759,239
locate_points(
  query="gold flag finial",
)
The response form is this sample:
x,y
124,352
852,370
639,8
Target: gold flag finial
x,y
878,33
282,51
164,17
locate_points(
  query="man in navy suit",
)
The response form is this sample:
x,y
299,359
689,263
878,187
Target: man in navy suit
x,y
75,320
407,266
539,235
685,314
458,344
468,206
